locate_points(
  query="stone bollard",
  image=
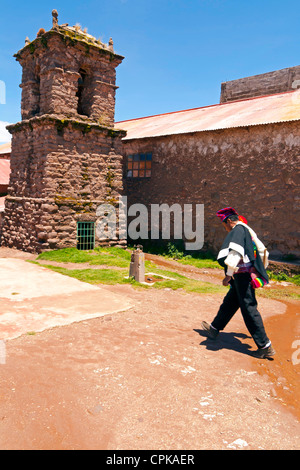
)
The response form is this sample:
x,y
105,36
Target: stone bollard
x,y
137,264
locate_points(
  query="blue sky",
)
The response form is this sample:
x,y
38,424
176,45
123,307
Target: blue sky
x,y
177,52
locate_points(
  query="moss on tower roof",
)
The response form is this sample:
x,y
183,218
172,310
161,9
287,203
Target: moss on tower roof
x,y
71,35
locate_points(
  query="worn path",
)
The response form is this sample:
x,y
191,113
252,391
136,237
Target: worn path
x,y
145,378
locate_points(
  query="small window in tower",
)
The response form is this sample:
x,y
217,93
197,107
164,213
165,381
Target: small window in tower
x,y
139,165
85,235
80,92
36,92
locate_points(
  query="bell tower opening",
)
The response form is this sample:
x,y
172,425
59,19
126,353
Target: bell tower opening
x,y
81,108
37,90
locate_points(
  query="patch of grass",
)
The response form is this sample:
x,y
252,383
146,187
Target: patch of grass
x,y
97,276
191,285
285,293
179,281
111,277
296,279
66,255
99,256
118,257
175,250
113,256
284,277
199,263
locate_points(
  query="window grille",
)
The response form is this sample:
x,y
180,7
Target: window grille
x,y
139,165
85,235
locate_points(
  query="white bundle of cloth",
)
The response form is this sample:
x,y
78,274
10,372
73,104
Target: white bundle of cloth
x,y
234,258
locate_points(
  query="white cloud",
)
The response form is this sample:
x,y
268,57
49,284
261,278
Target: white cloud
x,y
5,136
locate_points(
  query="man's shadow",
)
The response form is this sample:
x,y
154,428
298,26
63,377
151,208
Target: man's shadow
x,y
224,340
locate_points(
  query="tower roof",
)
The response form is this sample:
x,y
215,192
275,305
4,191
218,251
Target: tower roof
x,y
72,35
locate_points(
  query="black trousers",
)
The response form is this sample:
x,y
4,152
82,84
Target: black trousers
x,y
242,295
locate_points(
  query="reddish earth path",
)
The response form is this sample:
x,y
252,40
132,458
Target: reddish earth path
x,y
147,378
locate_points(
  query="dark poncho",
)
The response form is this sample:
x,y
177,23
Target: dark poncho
x,y
239,239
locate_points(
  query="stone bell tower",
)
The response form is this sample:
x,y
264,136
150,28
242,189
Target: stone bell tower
x,y
66,155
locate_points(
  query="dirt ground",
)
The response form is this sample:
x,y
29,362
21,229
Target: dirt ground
x,y
148,378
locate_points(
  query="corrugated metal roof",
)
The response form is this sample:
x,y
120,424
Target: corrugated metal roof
x,y
281,107
4,171
5,148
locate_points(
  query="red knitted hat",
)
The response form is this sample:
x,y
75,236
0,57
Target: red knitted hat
x,y
226,212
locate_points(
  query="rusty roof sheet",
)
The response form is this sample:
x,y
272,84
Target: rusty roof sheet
x,y
5,148
281,107
4,171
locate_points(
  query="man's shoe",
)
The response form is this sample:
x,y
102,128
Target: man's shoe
x,y
264,353
212,333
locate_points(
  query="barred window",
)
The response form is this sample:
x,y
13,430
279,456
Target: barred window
x,y
139,165
85,235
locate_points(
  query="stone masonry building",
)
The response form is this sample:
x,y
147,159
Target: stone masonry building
x,y
243,152
68,156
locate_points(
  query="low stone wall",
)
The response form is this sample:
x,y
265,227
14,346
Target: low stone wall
x,y
269,83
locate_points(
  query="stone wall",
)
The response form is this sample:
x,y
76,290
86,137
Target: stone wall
x,y
61,172
259,85
254,169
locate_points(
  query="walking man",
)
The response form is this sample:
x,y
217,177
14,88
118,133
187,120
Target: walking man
x,y
244,258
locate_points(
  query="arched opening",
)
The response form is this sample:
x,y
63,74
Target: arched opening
x,y
81,108
36,93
